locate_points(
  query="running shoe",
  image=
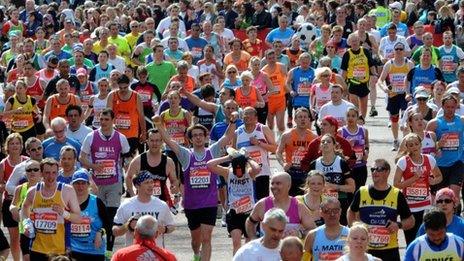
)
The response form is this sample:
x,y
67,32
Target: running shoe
x,y
373,112
396,145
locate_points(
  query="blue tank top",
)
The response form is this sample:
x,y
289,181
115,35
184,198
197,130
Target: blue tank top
x,y
326,249
100,73
449,62
83,234
301,84
423,77
452,134
415,42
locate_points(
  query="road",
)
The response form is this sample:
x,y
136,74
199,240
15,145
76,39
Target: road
x,y
179,240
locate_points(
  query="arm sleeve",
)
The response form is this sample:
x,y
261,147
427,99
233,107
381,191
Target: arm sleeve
x,y
107,223
345,59
403,208
86,143
355,203
124,144
18,173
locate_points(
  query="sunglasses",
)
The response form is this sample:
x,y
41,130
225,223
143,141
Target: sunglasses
x,y
446,200
399,49
33,169
378,169
36,149
421,99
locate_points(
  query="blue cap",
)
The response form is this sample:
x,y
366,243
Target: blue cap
x,y
80,175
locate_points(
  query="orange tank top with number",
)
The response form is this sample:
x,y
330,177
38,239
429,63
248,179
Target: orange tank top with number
x,y
278,78
297,147
249,99
58,109
126,115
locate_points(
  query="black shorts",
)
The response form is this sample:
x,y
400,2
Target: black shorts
x,y
361,90
25,244
36,256
40,128
298,180
3,241
397,103
28,134
196,217
7,218
452,175
262,114
134,145
236,221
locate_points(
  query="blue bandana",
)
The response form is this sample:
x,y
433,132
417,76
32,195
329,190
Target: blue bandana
x,y
143,175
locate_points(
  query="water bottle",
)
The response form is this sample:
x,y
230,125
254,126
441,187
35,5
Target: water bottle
x,y
29,226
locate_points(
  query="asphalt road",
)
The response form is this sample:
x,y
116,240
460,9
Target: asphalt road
x,y
179,241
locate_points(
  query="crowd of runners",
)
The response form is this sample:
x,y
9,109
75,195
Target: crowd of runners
x,y
117,116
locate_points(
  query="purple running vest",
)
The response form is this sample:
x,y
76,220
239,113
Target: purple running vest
x,y
107,152
200,185
358,144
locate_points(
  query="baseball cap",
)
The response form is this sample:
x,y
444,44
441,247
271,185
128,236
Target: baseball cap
x,y
81,71
453,90
396,5
52,59
421,94
80,175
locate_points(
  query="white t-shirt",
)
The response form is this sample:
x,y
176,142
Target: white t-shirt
x,y
387,47
255,251
156,207
80,134
183,46
166,22
337,111
119,63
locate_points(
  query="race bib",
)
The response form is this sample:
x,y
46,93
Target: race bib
x,y
275,90
330,256
82,229
46,223
20,124
256,156
451,141
448,65
298,156
199,178
359,152
157,188
109,169
359,72
417,192
243,205
330,193
397,83
378,236
145,97
304,89
123,122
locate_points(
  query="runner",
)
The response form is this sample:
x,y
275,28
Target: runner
x,y
159,165
327,241
97,103
368,206
299,219
101,152
200,185
87,241
436,243
128,112
294,143
239,176
357,242
415,174
314,189
449,130
258,140
33,176
49,204
143,204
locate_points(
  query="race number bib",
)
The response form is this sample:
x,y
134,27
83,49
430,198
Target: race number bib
x,y
157,188
123,122
20,124
82,229
448,64
304,89
109,169
359,72
298,156
275,90
359,152
256,156
378,236
417,192
243,205
46,223
200,178
451,141
330,193
397,83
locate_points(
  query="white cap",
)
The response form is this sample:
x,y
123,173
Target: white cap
x,y
396,5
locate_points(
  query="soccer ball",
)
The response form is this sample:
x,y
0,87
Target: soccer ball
x,y
307,33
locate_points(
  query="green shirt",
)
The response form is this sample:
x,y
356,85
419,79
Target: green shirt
x,y
435,55
87,62
383,16
159,74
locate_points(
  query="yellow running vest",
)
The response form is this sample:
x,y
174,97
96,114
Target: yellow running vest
x,y
358,66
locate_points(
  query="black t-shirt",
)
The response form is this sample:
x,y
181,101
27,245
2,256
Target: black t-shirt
x,y
402,207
